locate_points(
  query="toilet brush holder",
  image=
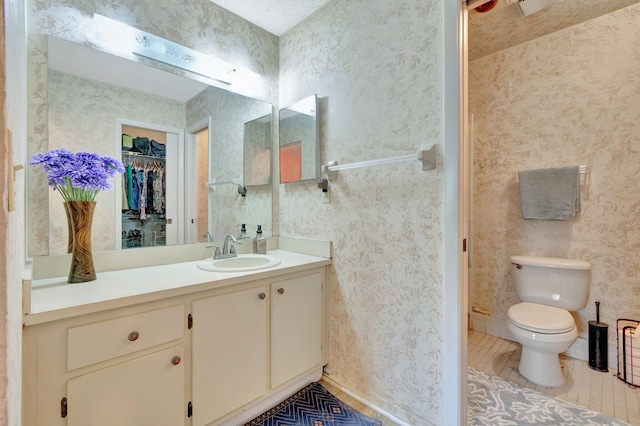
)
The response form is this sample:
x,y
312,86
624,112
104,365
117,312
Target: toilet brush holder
x,y
598,343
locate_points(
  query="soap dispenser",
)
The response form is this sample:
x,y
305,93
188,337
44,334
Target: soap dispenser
x,y
259,242
243,232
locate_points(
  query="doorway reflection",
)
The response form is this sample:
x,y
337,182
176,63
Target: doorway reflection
x,y
202,173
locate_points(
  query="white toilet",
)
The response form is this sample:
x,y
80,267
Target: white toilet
x,y
549,288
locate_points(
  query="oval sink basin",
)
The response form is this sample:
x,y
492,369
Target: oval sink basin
x,y
241,263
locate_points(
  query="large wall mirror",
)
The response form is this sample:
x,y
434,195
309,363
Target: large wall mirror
x,y
99,102
299,147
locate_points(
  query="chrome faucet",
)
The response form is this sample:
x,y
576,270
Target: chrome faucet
x,y
216,254
229,251
209,236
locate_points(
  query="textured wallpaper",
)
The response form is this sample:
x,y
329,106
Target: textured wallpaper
x,y
377,69
570,98
198,24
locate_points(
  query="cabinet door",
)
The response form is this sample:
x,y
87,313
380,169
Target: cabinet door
x,y
296,327
148,391
229,352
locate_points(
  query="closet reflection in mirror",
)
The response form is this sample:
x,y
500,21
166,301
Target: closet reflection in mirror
x,y
299,151
144,215
257,151
84,114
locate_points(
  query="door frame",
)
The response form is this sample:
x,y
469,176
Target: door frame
x,y
454,308
191,178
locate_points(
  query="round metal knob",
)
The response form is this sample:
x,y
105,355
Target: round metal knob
x,y
133,336
175,360
281,290
262,296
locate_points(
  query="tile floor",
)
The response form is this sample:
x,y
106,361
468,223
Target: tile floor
x,y
598,391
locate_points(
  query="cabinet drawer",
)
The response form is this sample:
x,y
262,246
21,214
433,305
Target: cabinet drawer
x,y
89,344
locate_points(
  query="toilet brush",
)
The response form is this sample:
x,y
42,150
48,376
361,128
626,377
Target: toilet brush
x,y
598,343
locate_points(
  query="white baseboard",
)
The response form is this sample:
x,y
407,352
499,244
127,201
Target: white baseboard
x,y
490,325
498,327
365,402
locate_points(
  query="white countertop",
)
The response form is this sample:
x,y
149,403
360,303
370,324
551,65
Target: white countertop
x,y
54,298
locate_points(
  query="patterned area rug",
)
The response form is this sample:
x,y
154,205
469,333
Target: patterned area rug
x,y
494,401
313,406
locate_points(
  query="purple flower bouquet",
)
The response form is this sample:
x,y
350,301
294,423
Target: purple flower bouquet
x,y
77,176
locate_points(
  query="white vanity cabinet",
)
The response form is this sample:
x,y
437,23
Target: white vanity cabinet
x,y
250,342
211,353
229,346
123,367
296,326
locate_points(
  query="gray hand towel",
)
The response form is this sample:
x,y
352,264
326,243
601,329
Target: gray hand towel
x,y
550,193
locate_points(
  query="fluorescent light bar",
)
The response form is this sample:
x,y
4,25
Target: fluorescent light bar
x,y
124,40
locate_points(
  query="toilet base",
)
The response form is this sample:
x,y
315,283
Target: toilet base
x,y
541,368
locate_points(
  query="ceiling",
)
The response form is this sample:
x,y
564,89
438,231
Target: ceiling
x,y
503,27
489,32
275,16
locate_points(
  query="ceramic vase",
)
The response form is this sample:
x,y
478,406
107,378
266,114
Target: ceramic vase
x,y
69,229
80,215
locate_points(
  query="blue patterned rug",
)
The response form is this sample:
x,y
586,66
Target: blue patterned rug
x,y
493,401
313,406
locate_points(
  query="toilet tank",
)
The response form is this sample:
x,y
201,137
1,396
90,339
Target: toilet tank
x,y
552,281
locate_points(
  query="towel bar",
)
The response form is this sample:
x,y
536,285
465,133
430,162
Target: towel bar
x,y
426,156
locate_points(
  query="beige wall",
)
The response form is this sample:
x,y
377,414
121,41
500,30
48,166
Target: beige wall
x,y
377,69
571,98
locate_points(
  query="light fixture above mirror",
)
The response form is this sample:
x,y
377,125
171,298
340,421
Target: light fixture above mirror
x,y
124,40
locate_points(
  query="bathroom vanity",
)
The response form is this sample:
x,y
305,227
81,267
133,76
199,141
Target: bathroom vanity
x,y
173,344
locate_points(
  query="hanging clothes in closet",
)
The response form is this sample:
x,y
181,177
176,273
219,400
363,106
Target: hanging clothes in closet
x,y
144,184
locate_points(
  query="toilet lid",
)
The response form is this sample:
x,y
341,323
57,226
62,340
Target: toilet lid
x,y
541,318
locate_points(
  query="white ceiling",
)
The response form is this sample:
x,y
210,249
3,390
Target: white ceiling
x,y
503,26
275,16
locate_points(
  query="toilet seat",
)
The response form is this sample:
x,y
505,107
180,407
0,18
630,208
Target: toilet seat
x,y
541,318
